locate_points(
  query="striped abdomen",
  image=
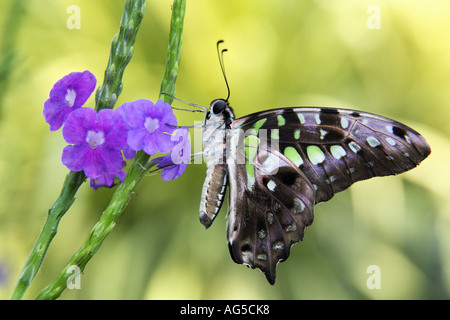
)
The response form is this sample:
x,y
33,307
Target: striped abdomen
x,y
213,193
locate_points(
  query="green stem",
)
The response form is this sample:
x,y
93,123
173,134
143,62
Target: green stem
x,y
136,171
173,55
121,53
67,197
101,229
106,96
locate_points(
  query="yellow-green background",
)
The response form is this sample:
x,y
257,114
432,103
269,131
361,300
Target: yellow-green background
x,y
281,53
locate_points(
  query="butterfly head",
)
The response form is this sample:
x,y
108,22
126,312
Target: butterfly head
x,y
219,110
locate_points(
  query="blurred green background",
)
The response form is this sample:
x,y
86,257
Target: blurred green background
x,y
281,53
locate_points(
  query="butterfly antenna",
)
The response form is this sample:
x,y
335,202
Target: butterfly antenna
x,y
222,66
195,156
186,127
203,109
175,108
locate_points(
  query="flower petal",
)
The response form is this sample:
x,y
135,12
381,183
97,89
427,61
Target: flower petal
x,y
134,112
150,125
74,157
181,152
102,160
55,114
135,138
78,124
83,83
173,172
93,166
111,159
163,142
113,125
170,170
167,117
128,152
107,180
67,95
151,145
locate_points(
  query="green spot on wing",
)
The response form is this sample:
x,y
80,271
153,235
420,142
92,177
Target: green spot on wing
x,y
275,134
337,151
251,146
249,169
372,141
315,154
292,154
259,124
250,152
301,118
354,146
252,141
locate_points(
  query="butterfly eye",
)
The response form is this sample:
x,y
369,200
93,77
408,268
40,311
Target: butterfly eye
x,y
217,106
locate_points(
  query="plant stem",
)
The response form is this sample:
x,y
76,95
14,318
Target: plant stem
x,y
173,55
71,184
137,169
106,96
101,229
121,53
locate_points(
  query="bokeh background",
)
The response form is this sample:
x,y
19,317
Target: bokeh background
x,y
281,53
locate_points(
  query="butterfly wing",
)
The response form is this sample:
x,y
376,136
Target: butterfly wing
x,y
271,203
281,162
335,148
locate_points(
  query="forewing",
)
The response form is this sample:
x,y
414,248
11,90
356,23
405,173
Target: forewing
x,y
334,148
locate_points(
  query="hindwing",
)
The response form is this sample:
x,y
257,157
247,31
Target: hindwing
x,y
271,203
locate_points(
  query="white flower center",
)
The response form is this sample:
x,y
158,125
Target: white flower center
x,y
95,139
70,97
151,124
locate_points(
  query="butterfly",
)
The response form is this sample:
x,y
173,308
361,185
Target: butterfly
x,y
278,164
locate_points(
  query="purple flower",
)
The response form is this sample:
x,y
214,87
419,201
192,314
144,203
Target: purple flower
x,y
169,170
128,152
67,95
107,180
150,125
174,164
97,140
181,152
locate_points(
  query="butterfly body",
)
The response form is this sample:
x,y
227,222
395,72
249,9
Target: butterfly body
x,y
279,163
214,132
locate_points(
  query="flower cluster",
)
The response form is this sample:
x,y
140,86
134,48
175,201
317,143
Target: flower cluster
x,y
98,141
